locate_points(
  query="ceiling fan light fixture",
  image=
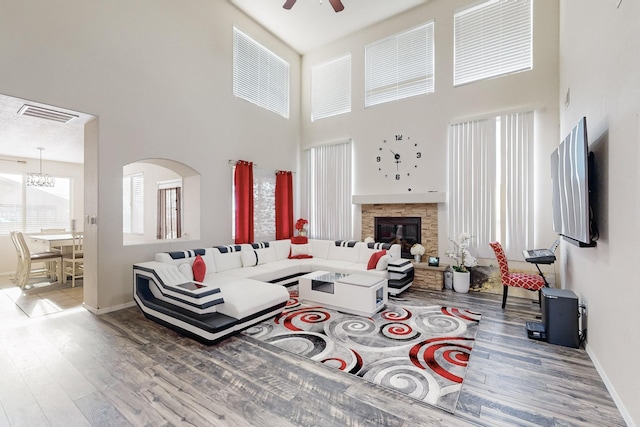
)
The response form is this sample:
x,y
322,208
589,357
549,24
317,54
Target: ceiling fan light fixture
x,y
39,179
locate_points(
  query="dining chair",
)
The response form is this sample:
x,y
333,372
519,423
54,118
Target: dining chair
x,y
28,259
532,282
73,262
14,239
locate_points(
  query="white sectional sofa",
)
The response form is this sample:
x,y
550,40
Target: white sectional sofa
x,y
243,284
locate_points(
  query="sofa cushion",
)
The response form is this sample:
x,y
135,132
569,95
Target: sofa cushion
x,y
227,257
345,250
186,270
246,297
282,248
383,262
375,257
199,269
300,251
180,257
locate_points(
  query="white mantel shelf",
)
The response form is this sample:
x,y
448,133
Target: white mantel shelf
x,y
371,199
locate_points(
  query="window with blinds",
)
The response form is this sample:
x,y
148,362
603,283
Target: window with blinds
x,y
259,75
331,88
492,39
264,204
491,182
133,204
329,178
400,66
30,209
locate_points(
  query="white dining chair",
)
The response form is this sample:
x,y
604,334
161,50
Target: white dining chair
x,y
73,262
43,261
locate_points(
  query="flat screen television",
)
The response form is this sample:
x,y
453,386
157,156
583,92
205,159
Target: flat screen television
x,y
571,172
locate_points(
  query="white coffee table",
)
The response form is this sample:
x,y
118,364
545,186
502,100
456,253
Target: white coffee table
x,y
358,294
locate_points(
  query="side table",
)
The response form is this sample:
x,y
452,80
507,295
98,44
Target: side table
x,y
428,277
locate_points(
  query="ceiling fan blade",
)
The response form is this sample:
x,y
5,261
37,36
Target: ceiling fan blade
x,y
337,5
289,4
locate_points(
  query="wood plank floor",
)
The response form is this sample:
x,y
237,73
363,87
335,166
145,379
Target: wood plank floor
x,y
120,369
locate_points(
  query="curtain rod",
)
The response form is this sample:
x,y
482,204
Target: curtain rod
x,y
233,163
17,161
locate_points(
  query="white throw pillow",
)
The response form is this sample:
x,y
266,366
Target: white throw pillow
x,y
186,270
383,262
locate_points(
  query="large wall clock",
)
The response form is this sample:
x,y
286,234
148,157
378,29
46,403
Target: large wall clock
x,y
398,157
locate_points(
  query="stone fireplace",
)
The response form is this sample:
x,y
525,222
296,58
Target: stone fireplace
x,y
427,212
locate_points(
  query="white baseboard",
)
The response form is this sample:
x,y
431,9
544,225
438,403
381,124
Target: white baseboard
x,y
106,310
616,399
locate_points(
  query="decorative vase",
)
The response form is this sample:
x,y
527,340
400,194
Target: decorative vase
x,y
417,258
461,281
302,232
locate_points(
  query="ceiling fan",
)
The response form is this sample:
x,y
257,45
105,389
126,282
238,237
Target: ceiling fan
x,y
337,4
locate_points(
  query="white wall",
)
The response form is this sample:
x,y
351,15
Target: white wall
x,y
8,257
600,64
158,75
426,118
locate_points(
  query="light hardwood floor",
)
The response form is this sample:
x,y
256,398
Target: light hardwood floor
x,y
120,369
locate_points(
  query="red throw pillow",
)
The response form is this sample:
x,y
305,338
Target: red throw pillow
x,y
375,257
199,269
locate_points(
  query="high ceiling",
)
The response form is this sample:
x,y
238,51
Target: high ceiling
x,y
308,25
313,23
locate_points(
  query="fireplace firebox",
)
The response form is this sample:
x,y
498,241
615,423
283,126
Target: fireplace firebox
x,y
405,231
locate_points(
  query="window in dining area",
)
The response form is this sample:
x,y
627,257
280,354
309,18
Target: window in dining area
x,y
30,209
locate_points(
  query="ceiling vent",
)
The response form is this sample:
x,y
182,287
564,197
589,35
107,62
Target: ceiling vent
x,y
45,113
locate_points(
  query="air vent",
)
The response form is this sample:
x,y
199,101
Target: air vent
x,y
45,113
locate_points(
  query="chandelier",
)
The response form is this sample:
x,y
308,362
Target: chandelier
x,y
337,4
40,179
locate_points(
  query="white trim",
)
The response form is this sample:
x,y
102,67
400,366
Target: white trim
x,y
99,311
612,391
430,197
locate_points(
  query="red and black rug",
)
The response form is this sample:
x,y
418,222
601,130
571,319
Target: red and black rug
x,y
421,351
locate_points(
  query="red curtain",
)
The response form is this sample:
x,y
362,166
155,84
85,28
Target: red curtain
x,y
284,205
243,180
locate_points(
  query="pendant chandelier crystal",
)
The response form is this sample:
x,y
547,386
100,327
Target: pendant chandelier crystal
x,y
40,179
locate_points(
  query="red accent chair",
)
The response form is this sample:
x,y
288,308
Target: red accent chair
x,y
532,282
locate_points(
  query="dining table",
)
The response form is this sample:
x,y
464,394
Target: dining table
x,y
48,242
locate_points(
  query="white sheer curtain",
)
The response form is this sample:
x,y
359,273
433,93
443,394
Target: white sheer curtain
x,y
491,182
329,207
472,182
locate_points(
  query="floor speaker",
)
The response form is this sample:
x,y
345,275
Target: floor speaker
x,y
560,317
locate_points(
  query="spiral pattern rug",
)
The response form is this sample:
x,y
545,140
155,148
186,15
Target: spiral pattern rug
x,y
417,349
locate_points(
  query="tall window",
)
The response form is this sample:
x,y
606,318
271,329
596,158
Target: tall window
x,y
329,191
331,88
400,66
492,39
29,209
259,75
491,182
133,204
169,210
264,205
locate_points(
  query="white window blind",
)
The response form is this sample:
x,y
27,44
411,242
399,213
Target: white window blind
x,y
491,183
133,204
400,66
331,88
329,191
30,209
259,75
492,39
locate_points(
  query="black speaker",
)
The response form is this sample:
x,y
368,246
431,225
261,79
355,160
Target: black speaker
x,y
560,317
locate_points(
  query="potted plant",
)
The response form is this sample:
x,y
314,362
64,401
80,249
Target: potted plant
x,y
417,251
301,226
462,261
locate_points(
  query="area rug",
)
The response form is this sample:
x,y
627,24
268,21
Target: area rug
x,y
417,349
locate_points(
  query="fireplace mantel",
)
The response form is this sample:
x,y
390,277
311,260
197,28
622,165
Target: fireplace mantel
x,y
371,199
